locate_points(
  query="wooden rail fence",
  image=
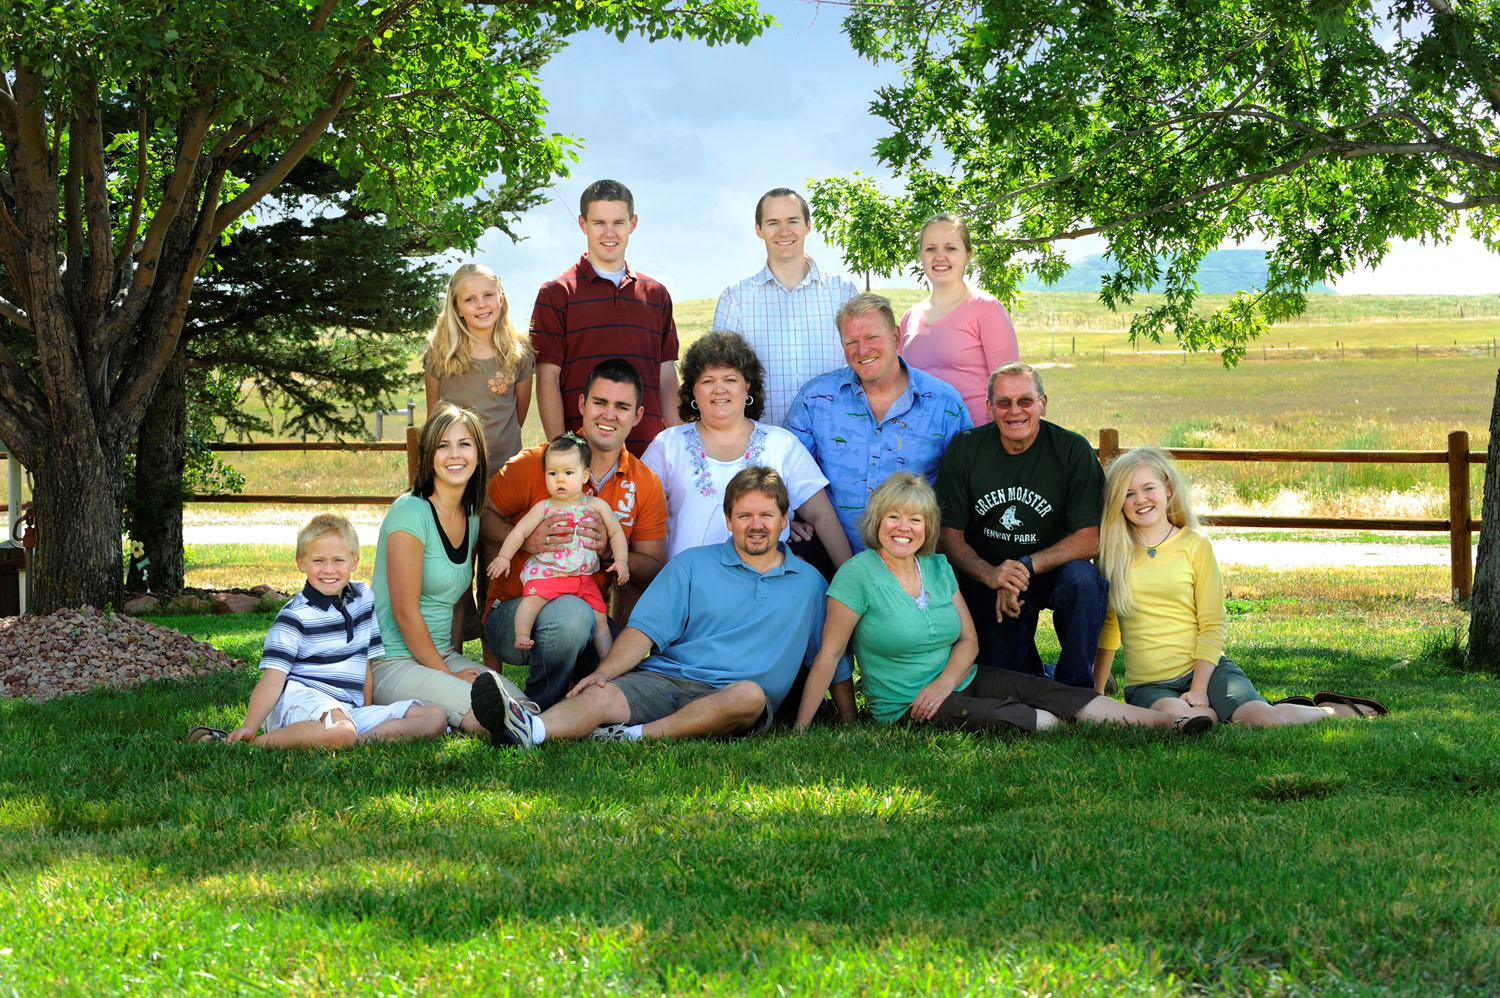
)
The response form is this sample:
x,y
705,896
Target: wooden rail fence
x,y
1459,526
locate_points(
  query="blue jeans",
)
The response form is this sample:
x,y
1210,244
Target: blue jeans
x,y
1076,594
564,648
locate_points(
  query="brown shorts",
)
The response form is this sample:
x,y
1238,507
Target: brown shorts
x,y
999,698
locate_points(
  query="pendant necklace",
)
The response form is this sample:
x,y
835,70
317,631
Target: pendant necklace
x,y
1151,551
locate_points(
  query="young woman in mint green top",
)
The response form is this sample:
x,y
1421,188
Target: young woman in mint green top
x,y
424,561
915,642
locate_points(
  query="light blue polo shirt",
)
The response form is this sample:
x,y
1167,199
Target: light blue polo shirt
x,y
715,619
832,418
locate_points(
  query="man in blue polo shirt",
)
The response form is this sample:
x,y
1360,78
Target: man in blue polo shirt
x,y
875,415
713,645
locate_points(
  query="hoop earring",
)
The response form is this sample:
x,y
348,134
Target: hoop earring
x,y
694,403
749,399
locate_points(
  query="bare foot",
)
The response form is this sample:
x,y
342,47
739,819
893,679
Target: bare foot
x,y
1348,710
523,641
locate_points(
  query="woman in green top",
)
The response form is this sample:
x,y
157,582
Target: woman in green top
x,y
424,561
915,642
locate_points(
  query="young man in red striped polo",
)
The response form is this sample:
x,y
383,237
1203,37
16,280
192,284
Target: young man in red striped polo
x,y
600,308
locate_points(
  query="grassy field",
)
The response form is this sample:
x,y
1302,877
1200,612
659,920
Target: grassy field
x,y
1399,384
1352,858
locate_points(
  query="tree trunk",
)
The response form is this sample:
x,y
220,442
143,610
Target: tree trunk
x,y
155,506
78,496
1484,608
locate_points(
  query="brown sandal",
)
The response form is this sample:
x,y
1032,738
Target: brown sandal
x,y
1376,708
1196,724
203,733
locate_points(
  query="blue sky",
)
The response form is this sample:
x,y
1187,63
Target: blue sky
x,y
698,134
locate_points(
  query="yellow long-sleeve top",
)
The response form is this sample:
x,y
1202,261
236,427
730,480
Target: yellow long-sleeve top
x,y
1179,611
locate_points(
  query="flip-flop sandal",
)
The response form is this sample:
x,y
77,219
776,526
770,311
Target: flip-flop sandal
x,y
1197,724
203,733
1328,696
1303,701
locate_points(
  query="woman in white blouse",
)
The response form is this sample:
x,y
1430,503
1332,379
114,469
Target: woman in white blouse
x,y
721,393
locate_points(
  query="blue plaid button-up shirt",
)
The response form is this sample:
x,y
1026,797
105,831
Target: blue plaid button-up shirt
x,y
791,330
832,418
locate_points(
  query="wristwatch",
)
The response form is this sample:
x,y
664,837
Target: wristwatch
x,y
1025,561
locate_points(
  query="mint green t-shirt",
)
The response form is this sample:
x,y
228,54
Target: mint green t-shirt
x,y
900,647
443,579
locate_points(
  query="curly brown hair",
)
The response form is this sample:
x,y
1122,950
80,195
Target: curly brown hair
x,y
721,349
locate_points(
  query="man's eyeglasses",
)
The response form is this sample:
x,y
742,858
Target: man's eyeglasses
x,y
1024,402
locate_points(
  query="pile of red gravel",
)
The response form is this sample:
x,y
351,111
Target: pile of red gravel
x,y
50,655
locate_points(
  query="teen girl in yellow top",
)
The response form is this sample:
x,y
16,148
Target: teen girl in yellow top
x,y
1166,603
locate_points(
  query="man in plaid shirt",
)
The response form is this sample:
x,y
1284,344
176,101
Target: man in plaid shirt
x,y
786,310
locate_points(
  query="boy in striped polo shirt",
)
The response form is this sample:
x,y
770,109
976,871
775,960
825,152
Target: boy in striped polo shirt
x,y
315,668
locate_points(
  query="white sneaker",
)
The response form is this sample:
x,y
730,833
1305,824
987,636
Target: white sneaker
x,y
615,733
502,714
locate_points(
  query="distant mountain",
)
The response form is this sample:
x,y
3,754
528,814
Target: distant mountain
x,y
1222,272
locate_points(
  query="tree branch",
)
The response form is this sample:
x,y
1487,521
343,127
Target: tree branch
x,y
304,142
1246,180
322,16
148,362
15,314
8,107
314,129
190,146
73,216
127,245
88,149
12,253
1487,201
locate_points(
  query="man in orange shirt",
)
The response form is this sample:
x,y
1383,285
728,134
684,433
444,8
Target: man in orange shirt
x,y
564,630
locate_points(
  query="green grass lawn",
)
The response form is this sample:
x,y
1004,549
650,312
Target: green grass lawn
x,y
1351,858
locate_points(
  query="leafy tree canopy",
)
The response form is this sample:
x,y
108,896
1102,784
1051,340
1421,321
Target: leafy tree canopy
x,y
1170,128
138,133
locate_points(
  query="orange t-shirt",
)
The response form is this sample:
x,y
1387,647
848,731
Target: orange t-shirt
x,y
633,492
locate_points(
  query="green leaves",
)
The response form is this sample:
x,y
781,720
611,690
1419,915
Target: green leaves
x,y
1328,128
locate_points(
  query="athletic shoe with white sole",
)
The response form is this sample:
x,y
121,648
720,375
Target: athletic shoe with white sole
x,y
613,733
502,715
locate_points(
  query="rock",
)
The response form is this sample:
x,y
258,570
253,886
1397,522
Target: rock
x,y
142,604
187,604
233,603
43,656
264,591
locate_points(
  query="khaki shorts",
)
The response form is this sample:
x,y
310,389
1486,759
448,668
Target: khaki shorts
x,y
399,679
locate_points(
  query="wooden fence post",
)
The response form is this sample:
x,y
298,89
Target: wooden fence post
x,y
1109,445
413,434
1460,537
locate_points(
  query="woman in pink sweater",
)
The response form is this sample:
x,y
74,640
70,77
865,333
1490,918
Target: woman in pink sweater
x,y
958,333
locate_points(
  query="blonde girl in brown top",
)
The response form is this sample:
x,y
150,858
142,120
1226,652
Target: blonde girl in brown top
x,y
477,359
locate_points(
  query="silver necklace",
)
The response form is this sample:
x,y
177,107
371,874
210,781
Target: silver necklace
x,y
1151,549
